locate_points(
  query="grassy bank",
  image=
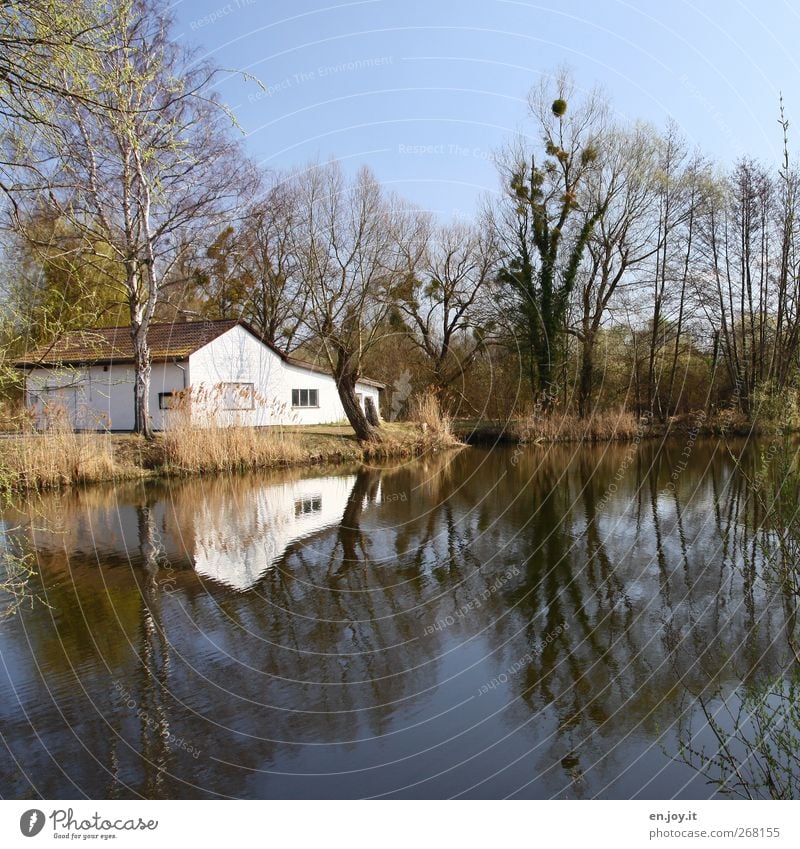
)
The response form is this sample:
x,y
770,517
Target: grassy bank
x,y
608,426
62,458
602,427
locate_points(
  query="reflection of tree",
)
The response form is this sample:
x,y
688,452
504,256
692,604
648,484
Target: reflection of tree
x,y
346,636
351,537
755,728
638,637
336,615
756,734
154,662
17,571
81,646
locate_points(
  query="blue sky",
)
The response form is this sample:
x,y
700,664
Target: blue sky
x,y
425,92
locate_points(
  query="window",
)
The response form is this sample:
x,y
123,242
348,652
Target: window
x,y
168,400
304,506
305,397
237,396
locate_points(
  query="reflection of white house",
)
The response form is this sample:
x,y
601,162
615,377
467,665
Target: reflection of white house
x,y
231,531
219,367
235,543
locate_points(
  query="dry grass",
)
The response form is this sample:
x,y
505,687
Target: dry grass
x,y
56,458
190,449
603,426
214,442
425,409
201,435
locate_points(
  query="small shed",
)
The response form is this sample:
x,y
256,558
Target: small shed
x,y
217,372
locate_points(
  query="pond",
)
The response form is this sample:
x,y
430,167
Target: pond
x,y
534,622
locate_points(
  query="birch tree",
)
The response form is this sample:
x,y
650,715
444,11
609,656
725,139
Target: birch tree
x,y
46,47
144,168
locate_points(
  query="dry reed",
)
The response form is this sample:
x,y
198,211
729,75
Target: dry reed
x,y
215,441
201,437
56,457
426,410
601,426
205,449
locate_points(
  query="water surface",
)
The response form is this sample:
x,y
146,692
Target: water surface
x,y
533,622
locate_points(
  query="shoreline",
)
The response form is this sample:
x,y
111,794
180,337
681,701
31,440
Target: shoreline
x,y
58,461
605,428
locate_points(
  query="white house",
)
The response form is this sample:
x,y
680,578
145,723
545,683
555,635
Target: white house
x,y
218,372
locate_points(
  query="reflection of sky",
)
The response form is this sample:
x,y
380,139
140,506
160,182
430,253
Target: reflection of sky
x,y
235,544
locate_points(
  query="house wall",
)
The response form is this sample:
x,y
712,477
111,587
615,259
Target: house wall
x,y
96,398
237,356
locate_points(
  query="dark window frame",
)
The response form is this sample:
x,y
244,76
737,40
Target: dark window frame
x,y
297,399
307,505
163,395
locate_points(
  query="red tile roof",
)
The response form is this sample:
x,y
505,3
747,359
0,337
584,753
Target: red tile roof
x,y
114,344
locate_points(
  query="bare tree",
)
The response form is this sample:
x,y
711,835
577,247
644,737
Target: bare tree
x,y
443,301
745,236
622,240
673,210
252,269
347,245
784,355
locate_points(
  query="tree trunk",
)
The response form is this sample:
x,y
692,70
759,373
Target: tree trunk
x,y
364,491
547,391
587,371
141,385
370,412
713,377
365,432
673,408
